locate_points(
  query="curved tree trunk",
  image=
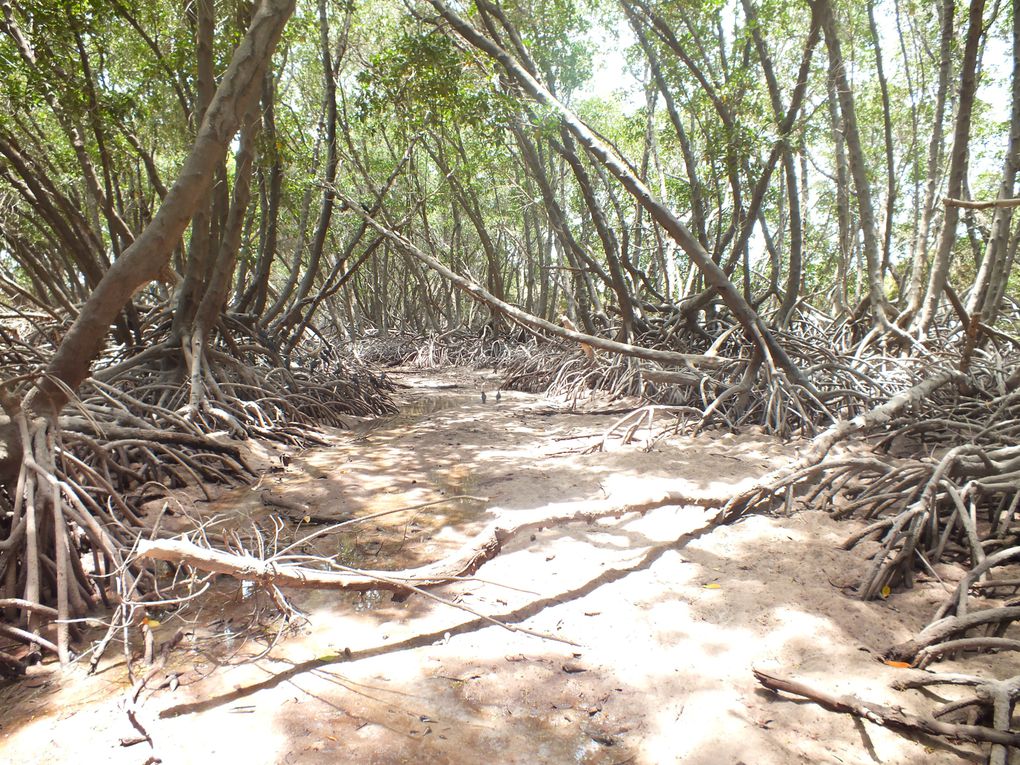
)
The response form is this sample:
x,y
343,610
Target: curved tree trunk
x,y
146,257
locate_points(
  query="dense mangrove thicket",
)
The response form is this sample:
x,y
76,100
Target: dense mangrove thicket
x,y
219,221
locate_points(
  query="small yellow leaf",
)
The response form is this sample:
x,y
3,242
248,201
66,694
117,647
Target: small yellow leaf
x,y
899,664
328,657
713,586
307,519
886,591
150,622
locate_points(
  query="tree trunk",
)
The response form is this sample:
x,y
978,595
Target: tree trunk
x,y
316,246
858,166
200,246
274,192
230,243
573,251
845,229
957,169
698,215
985,296
143,260
610,243
920,261
890,165
790,171
756,331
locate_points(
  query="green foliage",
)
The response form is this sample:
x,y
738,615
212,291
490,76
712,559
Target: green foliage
x,y
405,84
427,79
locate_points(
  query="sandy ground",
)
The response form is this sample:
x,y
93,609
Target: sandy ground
x,y
659,620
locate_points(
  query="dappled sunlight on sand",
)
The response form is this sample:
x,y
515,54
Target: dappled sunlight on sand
x,y
656,621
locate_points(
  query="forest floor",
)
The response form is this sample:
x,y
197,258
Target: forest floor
x,y
668,616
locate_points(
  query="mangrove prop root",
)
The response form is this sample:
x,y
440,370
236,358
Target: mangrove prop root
x,y
822,444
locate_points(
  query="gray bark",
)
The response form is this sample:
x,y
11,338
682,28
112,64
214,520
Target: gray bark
x,y
957,169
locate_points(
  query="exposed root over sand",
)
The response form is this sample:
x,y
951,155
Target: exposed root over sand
x,y
660,618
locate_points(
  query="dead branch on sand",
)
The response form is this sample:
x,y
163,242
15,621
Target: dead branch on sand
x,y
896,718
483,547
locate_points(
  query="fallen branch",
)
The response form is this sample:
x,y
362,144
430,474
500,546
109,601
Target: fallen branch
x,y
466,561
889,717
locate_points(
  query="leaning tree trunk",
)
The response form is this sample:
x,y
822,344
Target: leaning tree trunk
x,y
142,261
44,512
755,329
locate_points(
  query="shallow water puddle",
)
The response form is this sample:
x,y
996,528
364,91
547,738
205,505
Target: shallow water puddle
x,y
426,405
